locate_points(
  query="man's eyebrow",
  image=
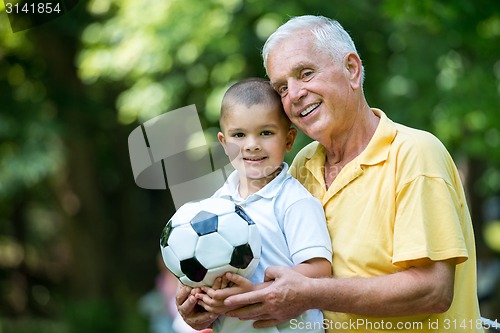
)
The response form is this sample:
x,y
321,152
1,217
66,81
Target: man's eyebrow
x,y
300,65
295,69
275,84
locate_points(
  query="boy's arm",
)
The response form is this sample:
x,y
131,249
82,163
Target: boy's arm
x,y
315,267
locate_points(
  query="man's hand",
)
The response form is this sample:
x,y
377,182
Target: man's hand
x,y
277,302
194,315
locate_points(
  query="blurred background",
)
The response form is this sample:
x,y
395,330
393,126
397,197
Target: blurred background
x,y
79,240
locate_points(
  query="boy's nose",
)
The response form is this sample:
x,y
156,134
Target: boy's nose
x,y
252,144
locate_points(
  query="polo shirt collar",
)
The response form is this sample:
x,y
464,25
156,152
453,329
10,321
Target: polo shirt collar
x,y
379,145
230,190
377,149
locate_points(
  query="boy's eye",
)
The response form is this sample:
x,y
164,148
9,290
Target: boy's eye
x,y
265,133
238,135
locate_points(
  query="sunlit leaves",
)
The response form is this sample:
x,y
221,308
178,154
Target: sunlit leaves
x,y
267,24
160,50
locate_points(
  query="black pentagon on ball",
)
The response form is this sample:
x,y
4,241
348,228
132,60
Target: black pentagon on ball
x,y
166,234
205,223
242,256
238,210
193,269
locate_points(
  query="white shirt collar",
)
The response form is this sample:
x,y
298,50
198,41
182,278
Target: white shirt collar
x,y
230,188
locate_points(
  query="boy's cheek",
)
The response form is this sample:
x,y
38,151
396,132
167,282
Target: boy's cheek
x,y
232,151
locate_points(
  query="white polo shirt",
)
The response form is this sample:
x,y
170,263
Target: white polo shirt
x,y
293,229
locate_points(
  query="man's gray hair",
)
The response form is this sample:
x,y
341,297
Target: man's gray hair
x,y
330,36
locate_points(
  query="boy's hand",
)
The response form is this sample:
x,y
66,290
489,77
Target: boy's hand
x,y
212,299
193,315
220,283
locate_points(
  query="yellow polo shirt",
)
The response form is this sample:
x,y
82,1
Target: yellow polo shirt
x,y
401,200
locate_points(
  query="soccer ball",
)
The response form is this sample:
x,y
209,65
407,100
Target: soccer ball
x,y
207,238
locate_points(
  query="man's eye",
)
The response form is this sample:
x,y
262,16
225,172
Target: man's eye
x,y
282,90
306,74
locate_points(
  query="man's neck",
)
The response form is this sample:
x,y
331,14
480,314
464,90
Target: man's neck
x,y
344,148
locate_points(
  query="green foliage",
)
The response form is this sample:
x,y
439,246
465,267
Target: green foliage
x,y
165,54
443,76
99,316
30,325
27,125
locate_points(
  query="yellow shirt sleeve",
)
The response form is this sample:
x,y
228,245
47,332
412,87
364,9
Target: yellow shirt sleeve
x,y
427,223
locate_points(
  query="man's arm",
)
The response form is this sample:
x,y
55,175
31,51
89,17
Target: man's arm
x,y
417,290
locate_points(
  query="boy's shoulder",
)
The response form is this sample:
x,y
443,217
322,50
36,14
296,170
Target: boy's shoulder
x,y
292,191
294,197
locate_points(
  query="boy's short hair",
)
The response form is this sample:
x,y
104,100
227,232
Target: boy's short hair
x,y
248,92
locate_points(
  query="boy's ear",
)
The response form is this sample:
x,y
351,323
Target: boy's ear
x,y
222,140
290,138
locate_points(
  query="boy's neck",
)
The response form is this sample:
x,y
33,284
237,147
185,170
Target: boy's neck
x,y
248,187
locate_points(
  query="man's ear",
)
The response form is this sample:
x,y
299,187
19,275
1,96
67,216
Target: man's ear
x,y
222,140
354,69
290,138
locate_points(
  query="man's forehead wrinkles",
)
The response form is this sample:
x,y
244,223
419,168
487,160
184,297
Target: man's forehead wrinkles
x,y
292,72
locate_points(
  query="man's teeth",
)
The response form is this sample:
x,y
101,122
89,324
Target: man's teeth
x,y
309,109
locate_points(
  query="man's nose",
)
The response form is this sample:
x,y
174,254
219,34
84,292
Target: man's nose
x,y
296,91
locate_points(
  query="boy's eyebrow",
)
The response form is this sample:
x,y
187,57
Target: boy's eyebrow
x,y
239,129
235,129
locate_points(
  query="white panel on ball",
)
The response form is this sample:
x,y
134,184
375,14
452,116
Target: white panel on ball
x,y
171,260
213,251
185,213
183,241
185,280
214,273
217,206
234,229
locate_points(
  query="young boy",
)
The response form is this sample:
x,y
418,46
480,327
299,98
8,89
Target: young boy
x,y
256,134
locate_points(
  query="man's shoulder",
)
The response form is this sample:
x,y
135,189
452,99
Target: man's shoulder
x,y
419,142
422,151
305,154
308,151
